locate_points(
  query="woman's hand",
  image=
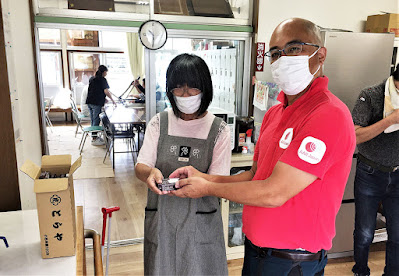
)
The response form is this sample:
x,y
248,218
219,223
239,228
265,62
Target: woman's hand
x,y
152,180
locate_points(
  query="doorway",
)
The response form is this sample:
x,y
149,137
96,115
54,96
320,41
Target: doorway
x,y
69,58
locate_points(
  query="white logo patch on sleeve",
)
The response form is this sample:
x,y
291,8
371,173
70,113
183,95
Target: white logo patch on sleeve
x,y
312,150
286,139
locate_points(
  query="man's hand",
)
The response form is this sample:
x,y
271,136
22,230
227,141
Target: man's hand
x,y
193,187
394,116
185,172
154,178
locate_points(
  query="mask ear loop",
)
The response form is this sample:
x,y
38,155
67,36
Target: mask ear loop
x,y
314,52
318,68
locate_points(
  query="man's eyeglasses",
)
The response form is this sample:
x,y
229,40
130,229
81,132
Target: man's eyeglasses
x,y
179,91
292,49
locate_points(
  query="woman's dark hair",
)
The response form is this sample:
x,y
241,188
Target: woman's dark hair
x,y
395,73
101,70
190,70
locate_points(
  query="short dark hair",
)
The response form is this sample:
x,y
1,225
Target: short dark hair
x,y
190,70
395,73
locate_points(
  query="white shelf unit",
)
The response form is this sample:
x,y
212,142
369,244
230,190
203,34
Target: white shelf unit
x,y
238,160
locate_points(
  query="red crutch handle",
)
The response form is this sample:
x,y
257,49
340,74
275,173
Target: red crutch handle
x,y
109,210
106,211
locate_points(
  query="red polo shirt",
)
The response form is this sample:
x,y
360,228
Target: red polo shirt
x,y
316,135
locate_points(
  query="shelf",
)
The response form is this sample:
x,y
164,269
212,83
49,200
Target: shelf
x,y
241,160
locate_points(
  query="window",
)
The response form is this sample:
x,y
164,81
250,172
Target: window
x,y
82,38
119,76
84,66
109,6
238,9
51,68
103,48
113,40
49,37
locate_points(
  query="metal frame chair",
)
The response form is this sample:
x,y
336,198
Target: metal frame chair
x,y
111,133
86,132
77,114
48,102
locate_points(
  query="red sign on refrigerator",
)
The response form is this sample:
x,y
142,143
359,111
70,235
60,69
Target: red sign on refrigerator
x,y
260,52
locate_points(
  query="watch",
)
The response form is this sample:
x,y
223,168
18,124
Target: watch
x,y
153,34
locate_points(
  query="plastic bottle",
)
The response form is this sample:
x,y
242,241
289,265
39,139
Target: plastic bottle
x,y
248,142
232,224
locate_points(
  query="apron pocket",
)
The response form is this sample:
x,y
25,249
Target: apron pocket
x,y
209,227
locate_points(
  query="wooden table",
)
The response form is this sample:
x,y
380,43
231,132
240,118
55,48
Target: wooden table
x,y
67,111
132,115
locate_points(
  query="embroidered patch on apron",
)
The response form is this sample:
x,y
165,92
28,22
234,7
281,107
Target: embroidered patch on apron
x,y
184,153
196,153
173,149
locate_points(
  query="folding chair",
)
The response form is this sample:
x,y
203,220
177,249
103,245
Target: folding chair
x,y
79,116
111,133
47,106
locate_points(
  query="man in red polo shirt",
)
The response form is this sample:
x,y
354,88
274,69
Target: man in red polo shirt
x,y
301,164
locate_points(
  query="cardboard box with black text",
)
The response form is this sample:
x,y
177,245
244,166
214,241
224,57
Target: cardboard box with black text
x,y
55,203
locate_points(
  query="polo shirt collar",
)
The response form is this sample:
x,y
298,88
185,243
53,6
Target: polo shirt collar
x,y
320,83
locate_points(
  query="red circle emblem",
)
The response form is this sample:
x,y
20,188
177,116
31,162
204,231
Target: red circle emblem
x,y
310,147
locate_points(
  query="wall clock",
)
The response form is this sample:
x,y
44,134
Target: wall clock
x,y
153,34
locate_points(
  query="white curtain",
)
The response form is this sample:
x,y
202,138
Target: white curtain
x,y
136,55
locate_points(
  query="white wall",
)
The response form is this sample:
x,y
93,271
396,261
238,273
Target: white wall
x,y
339,14
20,63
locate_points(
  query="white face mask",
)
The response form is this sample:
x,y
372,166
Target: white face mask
x,y
292,74
188,105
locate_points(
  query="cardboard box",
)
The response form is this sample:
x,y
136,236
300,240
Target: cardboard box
x,y
55,204
383,23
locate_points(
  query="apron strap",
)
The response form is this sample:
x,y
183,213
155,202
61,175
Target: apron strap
x,y
217,127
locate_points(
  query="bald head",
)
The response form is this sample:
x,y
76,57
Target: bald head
x,y
302,32
302,27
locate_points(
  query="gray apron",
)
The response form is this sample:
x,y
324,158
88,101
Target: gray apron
x,y
183,236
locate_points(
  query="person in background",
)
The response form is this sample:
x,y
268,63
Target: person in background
x,y
302,160
376,119
84,108
184,236
98,90
141,97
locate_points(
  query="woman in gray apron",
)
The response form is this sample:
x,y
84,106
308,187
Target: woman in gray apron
x,y
184,236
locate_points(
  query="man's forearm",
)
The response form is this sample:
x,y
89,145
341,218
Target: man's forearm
x,y
245,176
248,192
364,134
